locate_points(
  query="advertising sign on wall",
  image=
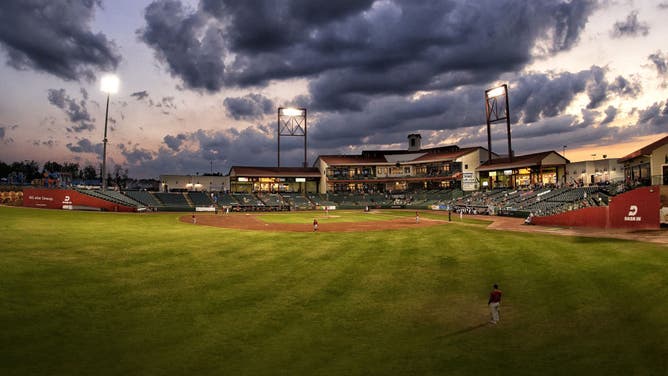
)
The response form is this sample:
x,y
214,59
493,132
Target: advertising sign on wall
x,y
468,182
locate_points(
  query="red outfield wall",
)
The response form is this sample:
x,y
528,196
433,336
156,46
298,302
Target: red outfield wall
x,y
637,209
68,199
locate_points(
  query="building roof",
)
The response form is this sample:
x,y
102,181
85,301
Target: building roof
x,y
274,171
351,159
518,161
446,155
647,150
394,156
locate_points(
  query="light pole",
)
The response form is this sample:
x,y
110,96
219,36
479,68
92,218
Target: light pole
x,y
495,113
109,85
291,122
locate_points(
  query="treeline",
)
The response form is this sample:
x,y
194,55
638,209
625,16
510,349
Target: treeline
x,y
27,171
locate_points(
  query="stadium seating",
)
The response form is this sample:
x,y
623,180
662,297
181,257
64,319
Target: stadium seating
x,y
145,198
201,199
112,196
173,201
298,201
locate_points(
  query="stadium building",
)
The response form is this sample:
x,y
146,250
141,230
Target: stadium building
x,y
594,172
647,165
445,167
523,171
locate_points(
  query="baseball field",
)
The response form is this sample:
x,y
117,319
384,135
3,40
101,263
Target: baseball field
x,y
91,293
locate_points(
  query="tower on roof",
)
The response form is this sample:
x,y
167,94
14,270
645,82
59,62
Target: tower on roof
x,y
414,141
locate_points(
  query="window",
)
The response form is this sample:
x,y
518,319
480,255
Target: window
x,y
466,167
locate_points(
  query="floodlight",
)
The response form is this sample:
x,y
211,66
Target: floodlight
x,y
290,111
109,84
496,92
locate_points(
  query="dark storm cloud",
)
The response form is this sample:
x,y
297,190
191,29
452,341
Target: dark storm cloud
x,y
191,47
251,106
134,154
249,146
599,89
55,37
174,142
660,62
610,114
630,27
76,112
626,88
654,116
533,98
356,49
85,146
140,95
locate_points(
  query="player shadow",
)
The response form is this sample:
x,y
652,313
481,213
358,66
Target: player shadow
x,y
465,330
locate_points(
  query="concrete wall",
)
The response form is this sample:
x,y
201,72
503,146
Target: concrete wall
x,y
637,209
68,199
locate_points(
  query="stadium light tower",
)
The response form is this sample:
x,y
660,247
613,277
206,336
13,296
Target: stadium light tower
x,y
109,84
494,114
291,122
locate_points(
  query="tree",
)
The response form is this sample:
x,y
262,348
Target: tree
x,y
89,173
72,168
5,169
52,167
29,170
120,176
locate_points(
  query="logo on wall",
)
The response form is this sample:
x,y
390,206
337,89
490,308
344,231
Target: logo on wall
x,y
67,203
631,216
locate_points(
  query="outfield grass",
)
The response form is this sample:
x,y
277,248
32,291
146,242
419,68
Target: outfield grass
x,y
143,294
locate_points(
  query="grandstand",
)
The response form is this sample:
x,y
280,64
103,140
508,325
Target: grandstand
x,y
199,199
297,201
173,201
145,198
113,196
226,199
273,201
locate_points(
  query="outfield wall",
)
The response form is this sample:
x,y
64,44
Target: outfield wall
x,y
637,209
68,199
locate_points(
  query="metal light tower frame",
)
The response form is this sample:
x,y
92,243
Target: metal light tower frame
x,y
495,113
292,122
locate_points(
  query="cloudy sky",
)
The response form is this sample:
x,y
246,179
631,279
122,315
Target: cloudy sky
x,y
201,80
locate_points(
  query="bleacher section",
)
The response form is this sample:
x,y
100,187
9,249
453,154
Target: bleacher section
x,y
173,201
113,196
540,202
247,201
320,200
201,199
298,201
145,198
226,199
272,200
